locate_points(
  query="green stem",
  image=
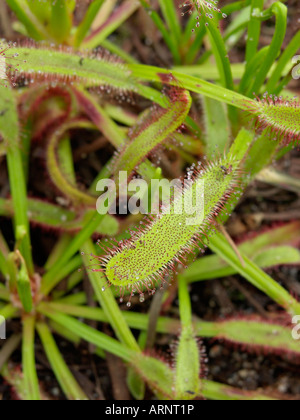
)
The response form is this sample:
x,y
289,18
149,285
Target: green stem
x,y
255,333
19,197
185,306
31,383
61,245
9,129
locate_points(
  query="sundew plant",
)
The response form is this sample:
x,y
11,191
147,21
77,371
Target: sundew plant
x,y
198,91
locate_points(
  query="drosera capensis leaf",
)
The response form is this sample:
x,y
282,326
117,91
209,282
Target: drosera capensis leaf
x,y
107,72
259,335
153,128
92,69
158,374
270,112
63,63
166,238
281,116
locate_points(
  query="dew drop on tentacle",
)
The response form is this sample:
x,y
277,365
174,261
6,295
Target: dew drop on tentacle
x,y
201,7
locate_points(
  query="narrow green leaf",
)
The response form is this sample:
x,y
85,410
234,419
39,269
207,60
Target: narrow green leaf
x,y
89,334
171,16
60,22
11,344
253,31
216,126
280,12
173,47
9,129
63,374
